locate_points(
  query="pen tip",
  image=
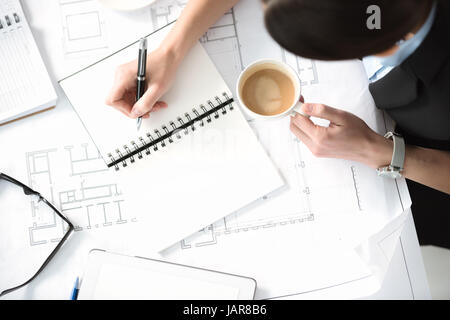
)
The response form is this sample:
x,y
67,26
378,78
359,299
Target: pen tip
x,y
138,123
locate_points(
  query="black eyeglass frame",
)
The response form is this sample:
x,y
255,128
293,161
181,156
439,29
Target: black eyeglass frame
x,y
28,191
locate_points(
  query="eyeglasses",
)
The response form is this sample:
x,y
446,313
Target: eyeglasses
x,y
13,245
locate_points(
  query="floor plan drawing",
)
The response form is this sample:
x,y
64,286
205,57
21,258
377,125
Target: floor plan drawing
x,y
45,227
306,68
233,42
165,11
83,26
299,239
86,162
75,179
223,43
224,46
355,182
299,204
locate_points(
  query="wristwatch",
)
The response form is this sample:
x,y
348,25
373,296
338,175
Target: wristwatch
x,y
394,170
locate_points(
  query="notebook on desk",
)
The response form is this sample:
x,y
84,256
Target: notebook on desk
x,y
25,86
190,164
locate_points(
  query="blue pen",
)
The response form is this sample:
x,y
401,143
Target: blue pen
x,y
75,290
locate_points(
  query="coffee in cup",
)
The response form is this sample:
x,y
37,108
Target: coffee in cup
x,y
268,92
269,89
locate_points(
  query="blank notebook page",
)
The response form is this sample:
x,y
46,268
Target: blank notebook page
x,y
25,86
199,177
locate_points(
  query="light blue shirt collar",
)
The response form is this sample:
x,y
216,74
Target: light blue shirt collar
x,y
376,65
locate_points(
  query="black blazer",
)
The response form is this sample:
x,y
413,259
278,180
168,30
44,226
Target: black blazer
x,y
416,94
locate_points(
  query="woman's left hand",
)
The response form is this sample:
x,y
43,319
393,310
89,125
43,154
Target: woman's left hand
x,y
347,137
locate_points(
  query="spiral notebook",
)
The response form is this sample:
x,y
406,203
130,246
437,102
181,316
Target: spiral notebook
x,y
190,164
25,86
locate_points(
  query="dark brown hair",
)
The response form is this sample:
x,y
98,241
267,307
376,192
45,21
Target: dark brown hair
x,y
336,29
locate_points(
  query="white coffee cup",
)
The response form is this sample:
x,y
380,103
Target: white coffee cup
x,y
277,65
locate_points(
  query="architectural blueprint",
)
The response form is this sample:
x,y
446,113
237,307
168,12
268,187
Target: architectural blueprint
x,y
83,26
228,43
227,40
326,196
86,32
294,241
329,208
75,179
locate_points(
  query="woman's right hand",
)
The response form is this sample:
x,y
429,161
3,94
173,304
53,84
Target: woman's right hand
x,y
161,69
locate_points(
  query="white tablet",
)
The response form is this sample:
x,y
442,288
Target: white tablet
x,y
114,276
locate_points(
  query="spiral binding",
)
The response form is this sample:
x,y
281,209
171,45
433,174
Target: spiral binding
x,y
8,20
201,115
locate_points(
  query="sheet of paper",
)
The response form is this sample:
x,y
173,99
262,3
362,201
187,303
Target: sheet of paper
x,y
193,177
18,260
51,153
346,201
67,169
78,33
288,250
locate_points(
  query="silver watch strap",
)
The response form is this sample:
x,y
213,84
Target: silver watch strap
x,y
398,156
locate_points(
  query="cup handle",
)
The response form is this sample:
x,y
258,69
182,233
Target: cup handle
x,y
297,109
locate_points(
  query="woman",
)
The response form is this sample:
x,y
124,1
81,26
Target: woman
x,y
407,61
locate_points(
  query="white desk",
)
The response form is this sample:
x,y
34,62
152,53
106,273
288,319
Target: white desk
x,y
406,278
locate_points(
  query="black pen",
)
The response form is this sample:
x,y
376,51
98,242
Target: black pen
x,y
142,64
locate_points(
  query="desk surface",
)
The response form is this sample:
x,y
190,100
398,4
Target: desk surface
x,y
406,278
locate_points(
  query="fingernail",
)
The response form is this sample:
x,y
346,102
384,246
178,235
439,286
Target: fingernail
x,y
135,112
162,104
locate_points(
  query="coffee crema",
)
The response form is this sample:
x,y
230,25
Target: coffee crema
x,y
268,92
